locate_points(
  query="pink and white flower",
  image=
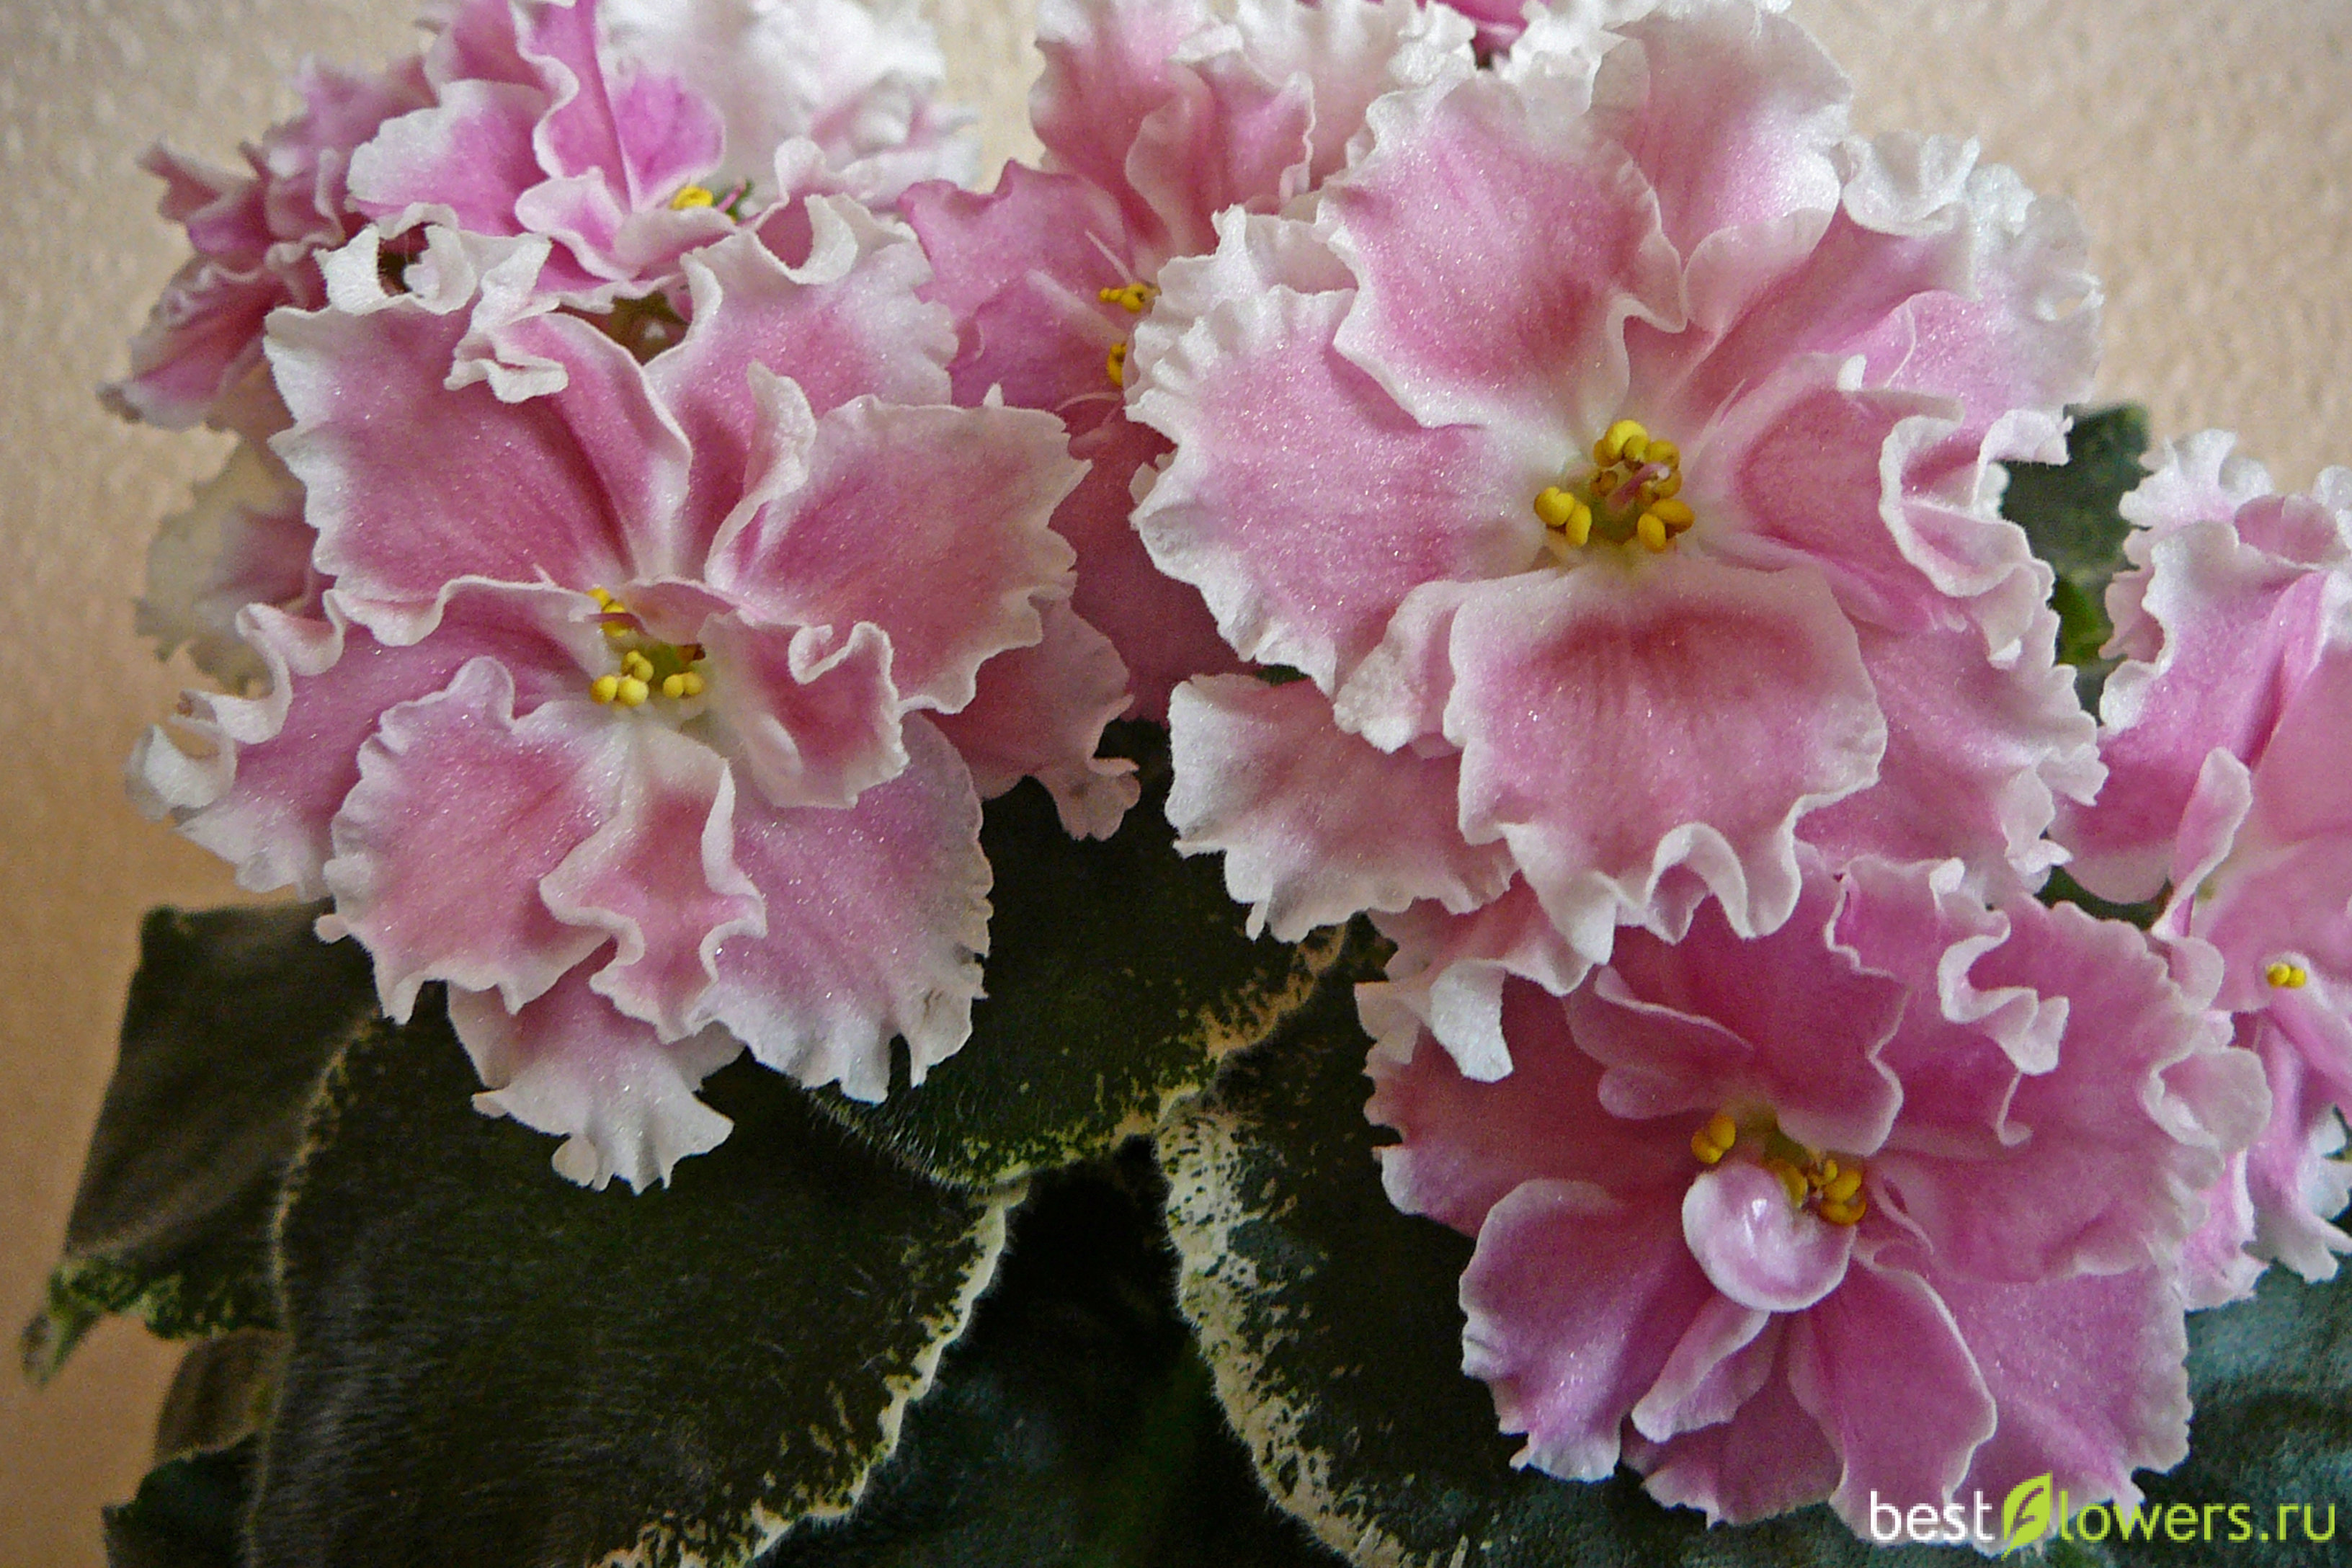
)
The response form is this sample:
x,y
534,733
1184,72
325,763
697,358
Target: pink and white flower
x,y
2225,742
1613,443
638,710
1887,1203
1155,117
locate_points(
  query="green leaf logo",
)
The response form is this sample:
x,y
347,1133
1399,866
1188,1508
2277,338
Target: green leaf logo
x,y
2025,1514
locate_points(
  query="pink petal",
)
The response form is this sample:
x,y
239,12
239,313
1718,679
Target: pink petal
x,y
2294,1182
2087,1376
1301,501
1450,970
1705,707
1161,627
1225,137
412,486
282,764
1039,713
1776,111
462,161
877,916
811,712
1022,268
1768,1458
658,875
1788,1020
568,1064
1882,1366
847,323
1756,1246
1315,825
1107,68
1468,1144
1575,1300
929,523
1478,183
1720,1363
452,786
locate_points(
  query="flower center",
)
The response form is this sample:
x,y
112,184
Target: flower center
x,y
2287,976
647,667
1832,1186
1134,299
1629,495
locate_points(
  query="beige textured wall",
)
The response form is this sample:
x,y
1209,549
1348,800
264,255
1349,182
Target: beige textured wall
x,y
2209,145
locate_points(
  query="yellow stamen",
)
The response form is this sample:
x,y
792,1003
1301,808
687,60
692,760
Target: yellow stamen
x,y
692,682
1842,1186
1612,445
604,688
1555,506
1670,485
602,597
1792,1180
2287,976
691,196
1116,364
632,692
1134,299
1652,531
1711,1143
1849,1211
1675,514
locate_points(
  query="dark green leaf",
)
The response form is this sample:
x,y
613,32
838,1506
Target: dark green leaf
x,y
186,1514
492,1366
221,1395
1119,976
2069,511
1072,1427
1332,1323
231,1018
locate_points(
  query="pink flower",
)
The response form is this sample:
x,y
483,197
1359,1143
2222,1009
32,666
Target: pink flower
x,y
629,133
640,708
1155,117
2224,739
1614,446
256,236
1886,1204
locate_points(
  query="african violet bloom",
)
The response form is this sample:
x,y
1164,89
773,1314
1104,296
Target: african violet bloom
x,y
2225,739
1155,117
1887,1204
651,712
1613,447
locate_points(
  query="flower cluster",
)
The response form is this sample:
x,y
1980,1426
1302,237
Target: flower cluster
x,y
625,622
1544,470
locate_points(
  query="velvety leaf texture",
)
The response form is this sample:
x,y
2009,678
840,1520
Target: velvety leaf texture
x,y
1119,976
1072,1427
232,1016
186,1514
491,1365
1330,1321
2069,511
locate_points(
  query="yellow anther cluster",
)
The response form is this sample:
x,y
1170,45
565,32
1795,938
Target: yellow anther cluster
x,y
647,666
1134,299
1714,1140
692,197
1630,494
2287,976
1116,364
1832,1186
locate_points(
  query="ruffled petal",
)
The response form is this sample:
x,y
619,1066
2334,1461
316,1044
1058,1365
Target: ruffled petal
x,y
1884,1331
462,161
929,523
1109,66
413,486
811,711
876,917
1039,713
568,1064
453,785
1315,825
1769,1457
1706,709
1499,247
1756,1246
658,875
1575,1302
1449,971
1301,501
